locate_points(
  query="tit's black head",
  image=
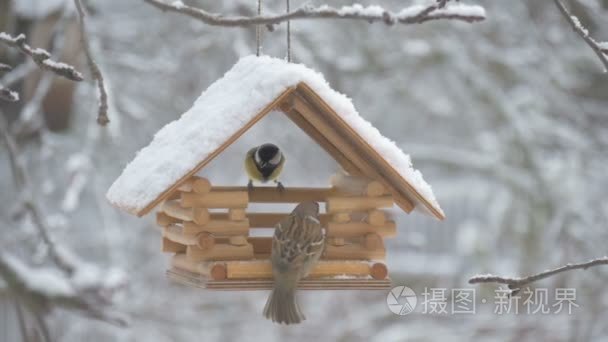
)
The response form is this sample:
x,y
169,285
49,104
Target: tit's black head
x,y
268,154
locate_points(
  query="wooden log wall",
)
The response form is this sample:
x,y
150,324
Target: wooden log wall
x,y
217,244
190,229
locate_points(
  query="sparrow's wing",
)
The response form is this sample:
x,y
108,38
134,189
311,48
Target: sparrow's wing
x,y
296,242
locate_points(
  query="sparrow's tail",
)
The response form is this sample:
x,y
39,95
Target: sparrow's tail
x,y
281,306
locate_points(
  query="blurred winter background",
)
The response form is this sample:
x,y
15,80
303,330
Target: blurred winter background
x,y
507,119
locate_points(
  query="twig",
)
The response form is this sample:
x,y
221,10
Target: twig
x,y
90,299
102,113
21,180
415,14
41,57
7,94
86,300
515,284
584,33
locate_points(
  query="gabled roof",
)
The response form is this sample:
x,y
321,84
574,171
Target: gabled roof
x,y
229,107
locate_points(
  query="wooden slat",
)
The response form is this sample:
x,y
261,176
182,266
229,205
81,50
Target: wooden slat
x,y
220,252
314,134
218,227
270,194
215,199
387,172
169,246
335,134
271,106
358,185
265,220
340,204
198,281
355,229
263,269
353,251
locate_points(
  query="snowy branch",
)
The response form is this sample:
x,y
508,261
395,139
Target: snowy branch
x,y
7,94
102,113
515,284
73,284
43,288
415,14
41,57
600,50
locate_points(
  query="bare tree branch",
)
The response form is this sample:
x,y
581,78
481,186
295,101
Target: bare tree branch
x,y
102,113
41,57
414,14
584,33
7,94
91,298
515,284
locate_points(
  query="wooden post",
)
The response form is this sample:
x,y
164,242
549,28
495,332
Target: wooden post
x,y
205,241
220,252
178,213
335,241
169,246
376,217
238,240
342,217
353,251
262,269
237,214
379,271
356,229
218,227
196,184
200,216
214,270
227,199
357,185
373,241
340,204
165,220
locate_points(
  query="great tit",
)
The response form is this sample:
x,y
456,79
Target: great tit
x,y
264,163
297,245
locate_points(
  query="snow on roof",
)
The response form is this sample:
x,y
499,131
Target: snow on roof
x,y
225,107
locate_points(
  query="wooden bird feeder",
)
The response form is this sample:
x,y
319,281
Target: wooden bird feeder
x,y
214,250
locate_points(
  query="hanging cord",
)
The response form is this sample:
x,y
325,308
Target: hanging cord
x,y
258,32
288,35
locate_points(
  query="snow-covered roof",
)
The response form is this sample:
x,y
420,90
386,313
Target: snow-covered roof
x,y
222,111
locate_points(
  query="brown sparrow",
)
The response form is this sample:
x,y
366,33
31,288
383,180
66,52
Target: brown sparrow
x,y
297,245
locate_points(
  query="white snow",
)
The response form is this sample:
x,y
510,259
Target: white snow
x,y
43,280
38,8
461,9
178,4
451,9
220,112
578,25
358,9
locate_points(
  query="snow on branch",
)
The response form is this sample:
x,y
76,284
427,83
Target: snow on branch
x,y
600,49
102,112
46,288
70,283
41,57
515,284
414,14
